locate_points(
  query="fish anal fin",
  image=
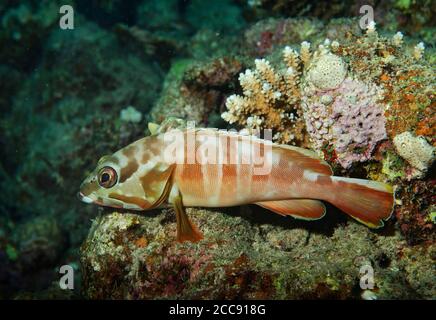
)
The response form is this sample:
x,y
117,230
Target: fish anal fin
x,y
305,209
186,230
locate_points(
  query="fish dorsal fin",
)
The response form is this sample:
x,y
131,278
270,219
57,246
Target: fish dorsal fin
x,y
168,124
306,159
305,209
153,127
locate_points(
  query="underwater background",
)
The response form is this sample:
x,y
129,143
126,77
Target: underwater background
x,y
70,96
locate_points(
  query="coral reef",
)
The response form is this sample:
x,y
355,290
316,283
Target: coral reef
x,y
156,14
414,17
364,100
218,16
267,35
51,122
345,90
23,30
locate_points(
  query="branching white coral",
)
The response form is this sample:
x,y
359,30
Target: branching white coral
x,y
370,29
305,52
397,39
418,51
270,97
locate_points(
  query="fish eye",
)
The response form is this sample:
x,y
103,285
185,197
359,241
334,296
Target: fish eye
x,y
107,177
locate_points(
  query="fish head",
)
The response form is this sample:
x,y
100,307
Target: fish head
x,y
103,182
128,179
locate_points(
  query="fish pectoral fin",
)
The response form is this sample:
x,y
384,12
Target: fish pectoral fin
x,y
305,209
186,230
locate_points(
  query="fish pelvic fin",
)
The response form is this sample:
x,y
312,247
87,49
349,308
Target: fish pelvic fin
x,y
304,209
186,230
369,202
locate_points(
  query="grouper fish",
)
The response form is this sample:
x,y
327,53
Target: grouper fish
x,y
211,168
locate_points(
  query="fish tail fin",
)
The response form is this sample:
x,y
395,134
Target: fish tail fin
x,y
369,202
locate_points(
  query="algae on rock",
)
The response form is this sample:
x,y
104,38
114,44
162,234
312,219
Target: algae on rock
x,y
241,256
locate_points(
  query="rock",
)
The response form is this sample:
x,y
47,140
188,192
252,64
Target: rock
x,y
63,117
414,215
242,256
23,30
195,91
222,16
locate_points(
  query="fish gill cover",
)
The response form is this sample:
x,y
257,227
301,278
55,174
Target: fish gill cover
x,y
363,99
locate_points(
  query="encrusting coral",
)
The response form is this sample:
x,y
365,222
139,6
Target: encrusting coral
x,y
415,150
348,118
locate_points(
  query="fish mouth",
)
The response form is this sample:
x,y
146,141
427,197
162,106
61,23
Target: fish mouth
x,y
84,198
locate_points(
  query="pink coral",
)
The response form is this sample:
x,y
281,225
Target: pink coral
x,y
350,118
